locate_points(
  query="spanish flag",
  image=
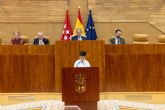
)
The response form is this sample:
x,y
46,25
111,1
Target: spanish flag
x,y
79,24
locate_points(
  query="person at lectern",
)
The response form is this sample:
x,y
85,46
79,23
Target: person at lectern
x,y
78,36
40,40
117,39
82,62
16,39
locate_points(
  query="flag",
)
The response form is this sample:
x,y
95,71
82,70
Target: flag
x,y
90,28
79,24
67,31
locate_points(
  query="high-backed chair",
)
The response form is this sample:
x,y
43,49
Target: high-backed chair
x,y
161,39
44,37
25,40
140,39
47,37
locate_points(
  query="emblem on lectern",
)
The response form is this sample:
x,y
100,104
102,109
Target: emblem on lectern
x,y
80,83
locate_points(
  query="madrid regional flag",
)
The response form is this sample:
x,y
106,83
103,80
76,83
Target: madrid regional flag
x,y
67,31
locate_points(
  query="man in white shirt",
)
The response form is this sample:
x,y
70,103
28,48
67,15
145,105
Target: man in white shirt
x,y
82,62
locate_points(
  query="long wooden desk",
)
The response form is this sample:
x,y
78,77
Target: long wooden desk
x,y
127,68
135,68
27,68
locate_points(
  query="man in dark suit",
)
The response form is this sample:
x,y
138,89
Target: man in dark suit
x,y
40,40
78,36
117,39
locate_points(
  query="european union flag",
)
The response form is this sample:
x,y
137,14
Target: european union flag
x,y
90,29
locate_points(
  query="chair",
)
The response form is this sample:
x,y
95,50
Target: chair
x,y
161,39
47,37
84,36
140,39
25,40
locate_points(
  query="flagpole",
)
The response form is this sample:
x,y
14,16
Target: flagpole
x,y
89,8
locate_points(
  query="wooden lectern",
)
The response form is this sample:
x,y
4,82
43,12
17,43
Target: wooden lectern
x,y
80,86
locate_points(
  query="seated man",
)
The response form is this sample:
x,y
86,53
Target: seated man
x,y
16,39
117,39
40,40
78,36
81,62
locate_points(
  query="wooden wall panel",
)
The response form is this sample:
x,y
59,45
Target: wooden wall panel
x,y
151,11
66,53
1,77
42,73
32,10
125,11
41,62
15,74
73,10
27,69
134,68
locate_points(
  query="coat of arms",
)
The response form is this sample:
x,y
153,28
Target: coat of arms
x,y
80,83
